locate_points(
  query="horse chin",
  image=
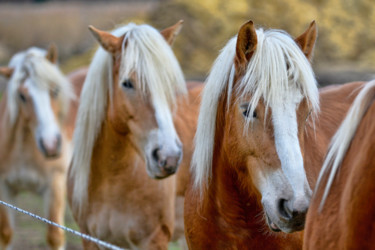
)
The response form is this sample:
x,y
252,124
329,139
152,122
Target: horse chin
x,y
280,225
154,173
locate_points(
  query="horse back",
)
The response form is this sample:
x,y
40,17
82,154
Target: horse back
x,y
76,78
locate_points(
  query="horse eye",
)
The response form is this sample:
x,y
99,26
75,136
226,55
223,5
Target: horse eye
x,y
246,113
55,92
128,84
22,97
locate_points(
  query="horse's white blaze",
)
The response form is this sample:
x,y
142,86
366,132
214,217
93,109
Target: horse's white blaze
x,y
48,129
288,148
164,138
167,135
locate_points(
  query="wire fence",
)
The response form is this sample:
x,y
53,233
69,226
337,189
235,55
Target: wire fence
x,y
67,229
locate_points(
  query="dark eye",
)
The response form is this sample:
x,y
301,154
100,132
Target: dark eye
x,y
22,97
246,113
128,84
55,92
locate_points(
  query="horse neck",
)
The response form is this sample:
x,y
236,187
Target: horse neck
x,y
234,201
113,153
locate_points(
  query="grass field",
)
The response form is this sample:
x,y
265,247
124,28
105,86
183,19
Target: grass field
x,y
29,233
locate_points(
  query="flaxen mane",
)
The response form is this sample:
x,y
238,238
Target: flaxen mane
x,y
277,67
151,58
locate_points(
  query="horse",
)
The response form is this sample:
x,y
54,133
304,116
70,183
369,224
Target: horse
x,y
341,215
249,158
258,97
37,113
127,140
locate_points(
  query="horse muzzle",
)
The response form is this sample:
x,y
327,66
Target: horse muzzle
x,y
51,148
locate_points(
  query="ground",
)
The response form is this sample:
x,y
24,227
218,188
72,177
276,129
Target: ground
x,y
29,233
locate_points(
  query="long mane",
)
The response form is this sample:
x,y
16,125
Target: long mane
x,y
277,67
33,64
145,52
343,137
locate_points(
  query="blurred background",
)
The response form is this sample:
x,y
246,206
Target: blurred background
x,y
345,49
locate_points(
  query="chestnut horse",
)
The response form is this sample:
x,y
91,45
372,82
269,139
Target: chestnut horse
x,y
249,143
36,129
125,134
342,210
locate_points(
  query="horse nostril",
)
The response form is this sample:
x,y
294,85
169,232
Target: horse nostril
x,y
284,209
155,154
41,144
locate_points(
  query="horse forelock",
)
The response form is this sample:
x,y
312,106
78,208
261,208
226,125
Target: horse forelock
x,y
343,137
154,63
33,64
277,68
146,54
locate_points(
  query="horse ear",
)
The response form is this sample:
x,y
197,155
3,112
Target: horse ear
x,y
6,71
52,53
170,33
307,40
109,42
246,44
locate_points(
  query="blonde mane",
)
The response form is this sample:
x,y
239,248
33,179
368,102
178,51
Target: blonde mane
x,y
157,70
33,64
341,140
277,67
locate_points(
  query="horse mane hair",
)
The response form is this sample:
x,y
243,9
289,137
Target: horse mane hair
x,y
277,67
343,137
144,52
33,64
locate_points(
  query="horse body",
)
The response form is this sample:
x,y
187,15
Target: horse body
x,y
341,214
35,142
116,200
